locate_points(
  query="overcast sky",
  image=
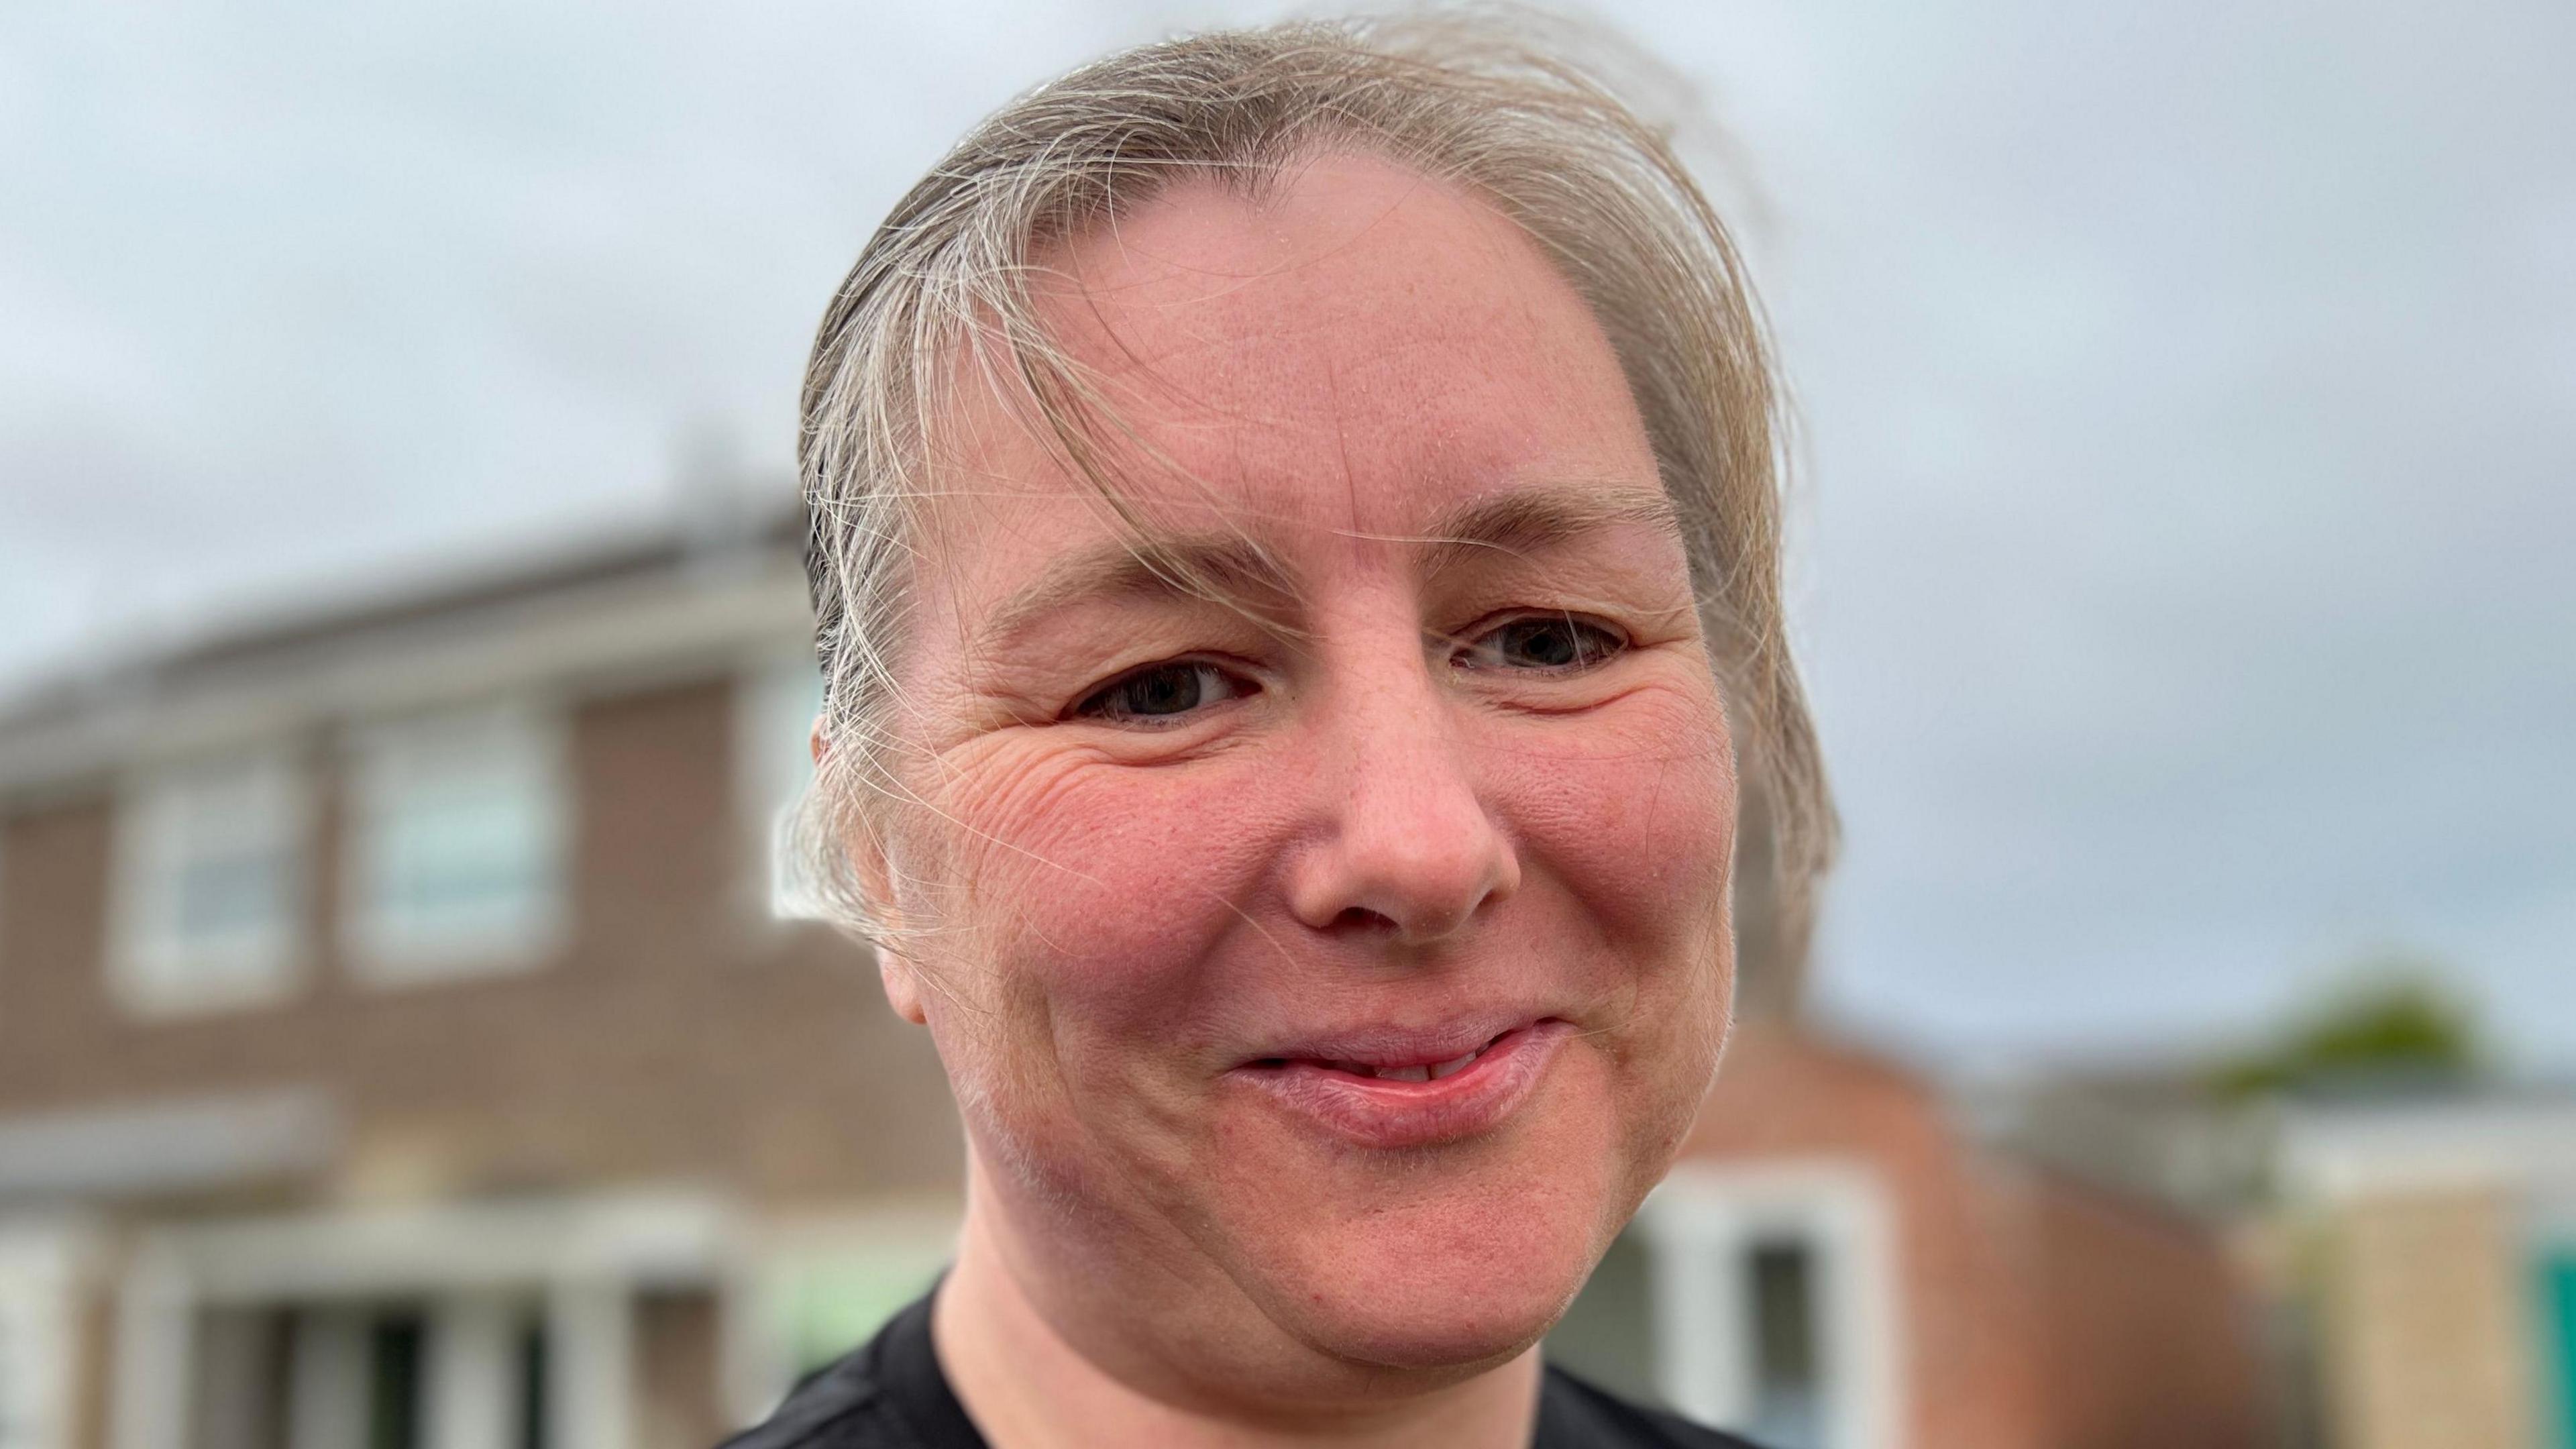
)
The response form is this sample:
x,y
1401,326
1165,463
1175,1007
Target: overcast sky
x,y
2189,391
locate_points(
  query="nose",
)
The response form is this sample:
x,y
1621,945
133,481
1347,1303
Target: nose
x,y
1410,848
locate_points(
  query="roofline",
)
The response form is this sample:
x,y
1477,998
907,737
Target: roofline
x,y
607,608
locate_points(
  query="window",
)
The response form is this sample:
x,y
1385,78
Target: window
x,y
457,841
1773,1301
464,1369
211,888
780,700
1781,1314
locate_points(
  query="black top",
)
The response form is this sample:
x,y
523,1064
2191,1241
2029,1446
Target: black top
x,y
892,1394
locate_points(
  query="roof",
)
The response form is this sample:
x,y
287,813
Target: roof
x,y
678,593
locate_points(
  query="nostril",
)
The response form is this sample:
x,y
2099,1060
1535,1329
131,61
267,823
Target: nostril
x,y
1361,918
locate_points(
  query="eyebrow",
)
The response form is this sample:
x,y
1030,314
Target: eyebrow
x,y
1235,570
1531,520
1223,567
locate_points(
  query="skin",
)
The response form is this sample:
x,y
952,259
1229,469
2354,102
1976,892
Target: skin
x,y
1409,780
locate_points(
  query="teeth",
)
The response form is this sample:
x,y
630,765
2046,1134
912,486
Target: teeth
x,y
1404,1074
1443,1069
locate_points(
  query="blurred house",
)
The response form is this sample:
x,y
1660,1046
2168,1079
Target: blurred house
x,y
399,1048
1844,1260
2412,1237
2437,1234
397,1044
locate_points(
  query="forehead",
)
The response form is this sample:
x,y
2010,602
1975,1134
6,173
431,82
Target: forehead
x,y
1349,352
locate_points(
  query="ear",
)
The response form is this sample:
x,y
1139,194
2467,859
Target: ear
x,y
865,851
902,986
867,857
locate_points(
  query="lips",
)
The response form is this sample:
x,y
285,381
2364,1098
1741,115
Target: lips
x,y
1396,1064
1419,1072
1400,1089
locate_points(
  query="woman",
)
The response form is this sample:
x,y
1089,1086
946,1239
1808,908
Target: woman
x,y
1295,561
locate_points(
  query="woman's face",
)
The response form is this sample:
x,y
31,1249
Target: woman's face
x,y
1330,955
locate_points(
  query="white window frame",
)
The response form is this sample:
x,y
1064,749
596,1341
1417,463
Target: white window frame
x,y
154,967
43,1267
1699,1227
774,699
382,948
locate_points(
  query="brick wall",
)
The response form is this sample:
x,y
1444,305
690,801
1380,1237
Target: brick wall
x,y
2148,1336
2036,1314
678,1036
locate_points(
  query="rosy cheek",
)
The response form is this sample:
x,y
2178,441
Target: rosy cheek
x,y
1106,884
1635,814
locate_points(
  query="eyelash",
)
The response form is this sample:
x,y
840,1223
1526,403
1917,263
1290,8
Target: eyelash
x,y
1603,644
1098,704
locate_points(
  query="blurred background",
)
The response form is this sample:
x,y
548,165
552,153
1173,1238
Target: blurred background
x,y
405,1040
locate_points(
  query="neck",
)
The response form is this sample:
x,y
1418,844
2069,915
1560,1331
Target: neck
x,y
1027,1386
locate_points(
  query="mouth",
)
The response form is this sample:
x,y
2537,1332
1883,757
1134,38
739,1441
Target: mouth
x,y
1391,1071
1398,1090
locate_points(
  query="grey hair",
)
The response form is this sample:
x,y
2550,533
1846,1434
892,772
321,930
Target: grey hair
x,y
1487,101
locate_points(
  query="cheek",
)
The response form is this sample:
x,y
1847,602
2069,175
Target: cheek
x,y
1636,818
1097,889
1635,822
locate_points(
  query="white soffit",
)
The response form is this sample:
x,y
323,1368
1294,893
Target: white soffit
x,y
188,1144
2476,1144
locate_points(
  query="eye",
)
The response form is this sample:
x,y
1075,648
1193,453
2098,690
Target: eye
x,y
1551,643
1161,692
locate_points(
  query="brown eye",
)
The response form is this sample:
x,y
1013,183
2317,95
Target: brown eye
x,y
1544,642
1162,692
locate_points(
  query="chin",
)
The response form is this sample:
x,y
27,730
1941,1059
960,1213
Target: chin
x,y
1464,1275
1467,1327
1457,1256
